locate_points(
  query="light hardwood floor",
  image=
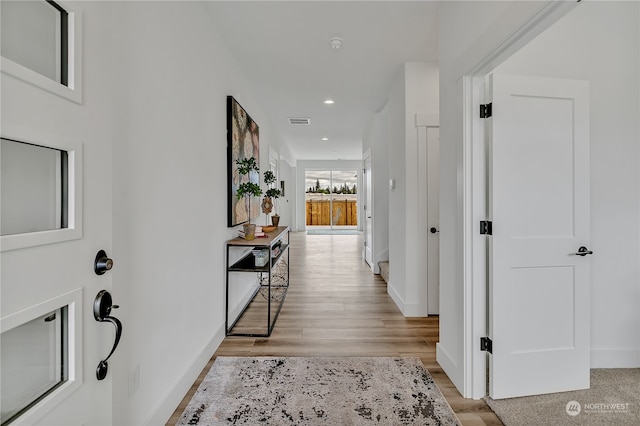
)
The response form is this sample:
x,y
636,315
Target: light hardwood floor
x,y
336,307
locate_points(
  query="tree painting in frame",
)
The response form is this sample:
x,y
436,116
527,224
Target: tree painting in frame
x,y
243,141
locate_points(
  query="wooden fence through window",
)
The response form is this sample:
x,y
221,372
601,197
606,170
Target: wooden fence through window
x,y
344,212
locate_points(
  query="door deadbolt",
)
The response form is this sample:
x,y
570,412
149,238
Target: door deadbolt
x,y
103,263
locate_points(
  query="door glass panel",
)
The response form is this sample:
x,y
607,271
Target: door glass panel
x,y
34,362
31,36
34,188
331,199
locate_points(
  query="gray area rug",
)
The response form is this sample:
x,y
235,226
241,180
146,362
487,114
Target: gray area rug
x,y
614,399
318,391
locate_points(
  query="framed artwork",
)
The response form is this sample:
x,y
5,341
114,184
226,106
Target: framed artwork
x,y
243,141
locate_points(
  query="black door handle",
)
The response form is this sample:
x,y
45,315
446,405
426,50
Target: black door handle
x,y
102,306
583,251
433,230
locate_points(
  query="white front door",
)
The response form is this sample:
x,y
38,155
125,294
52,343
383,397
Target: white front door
x,y
56,215
539,205
368,213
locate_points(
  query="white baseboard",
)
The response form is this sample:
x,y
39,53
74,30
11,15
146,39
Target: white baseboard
x,y
412,310
395,297
450,367
164,410
408,310
615,358
383,256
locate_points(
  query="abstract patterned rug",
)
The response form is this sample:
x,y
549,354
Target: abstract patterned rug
x,y
318,391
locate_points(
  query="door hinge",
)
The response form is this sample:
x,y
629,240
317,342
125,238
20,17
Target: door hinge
x,y
486,227
486,344
486,110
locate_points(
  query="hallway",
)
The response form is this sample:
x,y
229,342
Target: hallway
x,y
336,307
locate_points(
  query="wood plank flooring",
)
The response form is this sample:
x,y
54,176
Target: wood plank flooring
x,y
336,307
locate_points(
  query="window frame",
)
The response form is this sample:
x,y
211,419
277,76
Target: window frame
x,y
73,302
73,231
70,86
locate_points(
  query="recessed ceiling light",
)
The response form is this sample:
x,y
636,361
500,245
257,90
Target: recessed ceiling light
x,y
325,139
329,102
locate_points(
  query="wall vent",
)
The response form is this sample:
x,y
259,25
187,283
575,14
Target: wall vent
x,y
299,120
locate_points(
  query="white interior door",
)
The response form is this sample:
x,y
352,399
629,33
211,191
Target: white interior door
x,y
433,220
539,202
368,213
428,210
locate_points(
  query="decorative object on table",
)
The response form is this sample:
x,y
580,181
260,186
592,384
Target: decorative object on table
x,y
258,232
243,143
260,257
271,197
318,391
248,190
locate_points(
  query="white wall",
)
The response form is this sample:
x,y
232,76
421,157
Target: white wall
x,y
170,197
415,90
303,165
598,42
468,33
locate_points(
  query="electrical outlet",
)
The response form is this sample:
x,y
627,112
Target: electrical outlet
x,y
134,380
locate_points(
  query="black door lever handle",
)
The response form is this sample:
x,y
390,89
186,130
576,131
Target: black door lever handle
x,y
583,251
102,307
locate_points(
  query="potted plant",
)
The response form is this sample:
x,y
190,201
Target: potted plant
x,y
247,190
271,196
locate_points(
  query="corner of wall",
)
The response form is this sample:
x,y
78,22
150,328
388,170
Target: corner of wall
x,y
172,398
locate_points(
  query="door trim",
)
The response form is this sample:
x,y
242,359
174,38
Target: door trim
x,y
470,89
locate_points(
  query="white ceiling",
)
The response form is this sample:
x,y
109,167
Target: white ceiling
x,y
283,46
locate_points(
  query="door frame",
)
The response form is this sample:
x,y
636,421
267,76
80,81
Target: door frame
x,y
470,89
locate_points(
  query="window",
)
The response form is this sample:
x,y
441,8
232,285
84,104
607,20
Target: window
x,y
40,188
34,34
39,45
34,181
41,357
34,362
331,199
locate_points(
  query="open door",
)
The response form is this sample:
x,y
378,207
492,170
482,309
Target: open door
x,y
368,214
539,248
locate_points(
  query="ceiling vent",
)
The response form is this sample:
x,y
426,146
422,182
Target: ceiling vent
x,y
302,121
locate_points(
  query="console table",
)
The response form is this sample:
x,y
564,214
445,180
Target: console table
x,y
271,287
